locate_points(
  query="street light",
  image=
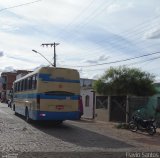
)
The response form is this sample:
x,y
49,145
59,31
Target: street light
x,y
42,56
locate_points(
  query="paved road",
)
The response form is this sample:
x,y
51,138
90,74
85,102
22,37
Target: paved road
x,y
18,136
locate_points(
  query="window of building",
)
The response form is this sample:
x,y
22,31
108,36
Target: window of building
x,y
87,100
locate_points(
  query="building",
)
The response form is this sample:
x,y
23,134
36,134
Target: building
x,y
7,79
88,96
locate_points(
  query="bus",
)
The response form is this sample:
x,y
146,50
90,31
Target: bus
x,y
48,93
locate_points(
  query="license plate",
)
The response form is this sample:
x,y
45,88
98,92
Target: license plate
x,y
59,107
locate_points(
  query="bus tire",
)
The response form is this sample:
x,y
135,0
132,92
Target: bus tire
x,y
16,113
58,122
27,116
14,107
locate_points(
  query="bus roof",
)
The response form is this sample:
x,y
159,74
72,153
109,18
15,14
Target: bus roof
x,y
39,69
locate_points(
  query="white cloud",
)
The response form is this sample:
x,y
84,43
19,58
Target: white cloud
x,y
7,69
1,54
97,59
117,7
25,28
152,34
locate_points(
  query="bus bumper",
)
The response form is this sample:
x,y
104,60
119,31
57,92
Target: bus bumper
x,y
45,115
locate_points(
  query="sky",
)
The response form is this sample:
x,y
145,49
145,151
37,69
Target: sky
x,y
92,34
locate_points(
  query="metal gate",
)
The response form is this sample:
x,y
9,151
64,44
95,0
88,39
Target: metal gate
x,y
118,108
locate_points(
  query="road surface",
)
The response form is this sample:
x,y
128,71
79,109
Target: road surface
x,y
72,137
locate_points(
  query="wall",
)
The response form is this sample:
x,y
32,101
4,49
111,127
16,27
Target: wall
x,y
153,103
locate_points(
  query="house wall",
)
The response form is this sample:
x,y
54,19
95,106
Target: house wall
x,y
153,103
101,115
7,82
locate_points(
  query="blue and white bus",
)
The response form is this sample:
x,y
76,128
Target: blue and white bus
x,y
48,94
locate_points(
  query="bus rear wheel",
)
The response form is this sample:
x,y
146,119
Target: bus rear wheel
x,y
27,116
58,122
13,107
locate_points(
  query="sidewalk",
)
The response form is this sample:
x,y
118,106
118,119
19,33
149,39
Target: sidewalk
x,y
141,140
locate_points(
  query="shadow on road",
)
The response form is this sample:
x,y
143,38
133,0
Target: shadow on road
x,y
79,136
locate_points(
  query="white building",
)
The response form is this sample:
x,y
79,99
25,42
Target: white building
x,y
87,94
95,106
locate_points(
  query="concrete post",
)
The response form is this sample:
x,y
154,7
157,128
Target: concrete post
x,y
109,107
127,109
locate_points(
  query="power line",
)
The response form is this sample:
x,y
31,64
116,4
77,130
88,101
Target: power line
x,y
138,62
75,18
20,5
118,61
90,16
143,61
82,24
137,26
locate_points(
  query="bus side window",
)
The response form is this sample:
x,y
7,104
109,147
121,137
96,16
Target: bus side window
x,y
15,87
28,79
22,85
18,86
30,83
25,84
35,81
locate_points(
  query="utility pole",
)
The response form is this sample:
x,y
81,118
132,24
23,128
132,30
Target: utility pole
x,y
52,45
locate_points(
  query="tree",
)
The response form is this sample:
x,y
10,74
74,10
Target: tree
x,y
125,81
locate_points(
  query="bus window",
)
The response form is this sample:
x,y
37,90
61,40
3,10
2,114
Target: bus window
x,y
15,87
30,83
25,84
34,81
18,86
22,85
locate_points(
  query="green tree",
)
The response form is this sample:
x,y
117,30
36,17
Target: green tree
x,y
125,81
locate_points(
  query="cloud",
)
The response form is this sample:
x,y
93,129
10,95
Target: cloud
x,y
113,8
101,58
91,38
152,34
91,61
1,54
35,68
7,69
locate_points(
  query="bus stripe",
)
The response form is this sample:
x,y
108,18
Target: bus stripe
x,y
47,77
43,96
